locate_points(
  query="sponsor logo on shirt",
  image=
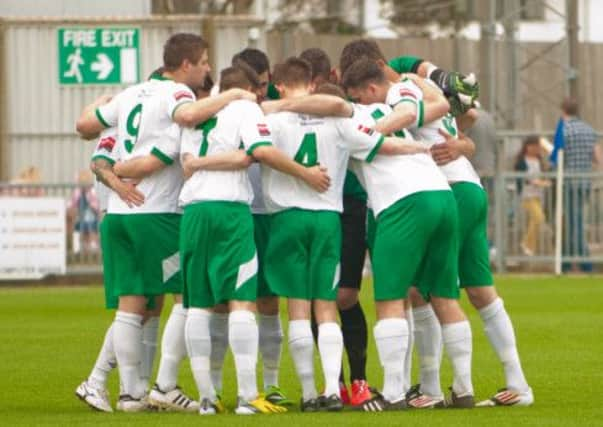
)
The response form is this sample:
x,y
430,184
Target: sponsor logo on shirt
x,y
106,143
366,129
182,94
263,129
406,92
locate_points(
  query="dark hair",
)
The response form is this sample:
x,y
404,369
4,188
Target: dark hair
x,y
157,73
570,106
320,62
331,89
240,75
361,73
528,140
182,46
293,72
254,58
357,49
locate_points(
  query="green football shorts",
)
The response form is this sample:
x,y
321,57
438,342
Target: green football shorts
x,y
218,256
416,243
140,255
303,254
261,231
474,256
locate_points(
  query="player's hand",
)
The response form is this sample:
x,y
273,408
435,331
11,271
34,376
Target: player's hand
x,y
128,192
318,178
447,151
249,96
242,159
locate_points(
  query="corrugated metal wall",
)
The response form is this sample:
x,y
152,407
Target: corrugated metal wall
x,y
41,114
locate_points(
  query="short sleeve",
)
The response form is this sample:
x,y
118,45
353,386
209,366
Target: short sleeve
x,y
106,147
108,113
405,64
362,141
177,95
255,130
407,91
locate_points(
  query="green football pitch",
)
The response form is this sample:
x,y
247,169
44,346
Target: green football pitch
x,y
49,339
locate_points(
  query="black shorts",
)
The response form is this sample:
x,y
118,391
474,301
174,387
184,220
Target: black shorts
x,y
353,242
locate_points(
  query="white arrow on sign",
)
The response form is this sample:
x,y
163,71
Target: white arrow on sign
x,y
103,66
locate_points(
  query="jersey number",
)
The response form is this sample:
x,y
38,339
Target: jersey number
x,y
132,127
377,114
206,127
448,122
307,154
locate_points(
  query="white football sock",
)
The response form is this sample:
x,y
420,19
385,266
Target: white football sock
x,y
330,346
408,356
198,346
127,343
301,347
391,336
105,362
271,339
428,339
243,337
150,330
499,330
173,349
457,342
219,345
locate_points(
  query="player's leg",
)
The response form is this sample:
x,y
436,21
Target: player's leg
x,y
404,224
439,279
353,321
219,344
289,279
476,278
269,321
198,299
324,263
150,332
232,270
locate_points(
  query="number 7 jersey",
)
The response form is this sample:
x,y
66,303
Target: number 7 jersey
x,y
311,141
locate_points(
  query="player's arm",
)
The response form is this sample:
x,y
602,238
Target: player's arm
x,y
143,166
103,170
467,120
315,176
393,146
189,114
435,104
318,105
233,160
452,148
89,124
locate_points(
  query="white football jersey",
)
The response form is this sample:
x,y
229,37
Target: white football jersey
x,y
143,116
239,125
310,140
388,179
456,171
258,206
105,149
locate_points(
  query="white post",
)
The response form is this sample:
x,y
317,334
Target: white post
x,y
559,213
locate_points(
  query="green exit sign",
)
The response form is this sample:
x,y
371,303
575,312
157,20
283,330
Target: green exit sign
x,y
99,56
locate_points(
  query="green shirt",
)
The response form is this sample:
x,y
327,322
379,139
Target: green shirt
x,y
272,92
405,64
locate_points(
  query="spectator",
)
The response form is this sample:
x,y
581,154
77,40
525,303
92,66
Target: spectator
x,y
27,183
84,210
579,141
529,160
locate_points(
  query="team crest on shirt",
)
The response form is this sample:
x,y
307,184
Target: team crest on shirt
x,y
106,143
366,129
263,129
182,94
406,92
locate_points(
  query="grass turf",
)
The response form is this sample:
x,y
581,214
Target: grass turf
x,y
50,338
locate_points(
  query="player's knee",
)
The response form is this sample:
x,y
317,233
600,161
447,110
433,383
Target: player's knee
x,y
267,306
415,298
481,296
346,298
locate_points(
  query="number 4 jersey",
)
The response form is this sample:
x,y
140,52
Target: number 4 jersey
x,y
310,141
143,116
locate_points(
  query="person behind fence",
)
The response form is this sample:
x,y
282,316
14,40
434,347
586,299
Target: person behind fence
x,y
84,210
579,140
529,160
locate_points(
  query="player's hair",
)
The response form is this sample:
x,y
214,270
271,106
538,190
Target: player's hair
x,y
240,75
293,72
182,46
361,73
357,49
331,89
157,73
570,106
319,60
254,58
